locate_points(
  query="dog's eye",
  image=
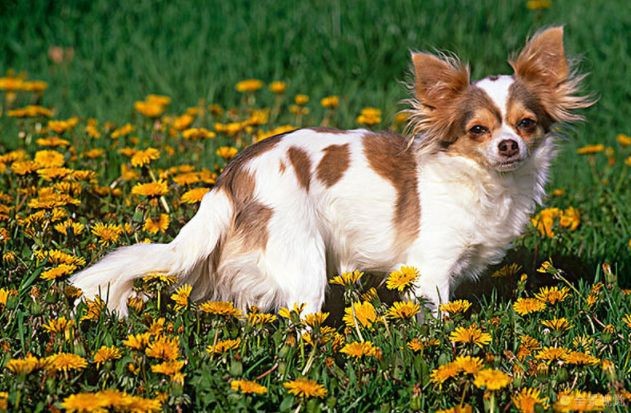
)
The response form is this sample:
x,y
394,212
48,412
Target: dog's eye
x,y
478,130
526,123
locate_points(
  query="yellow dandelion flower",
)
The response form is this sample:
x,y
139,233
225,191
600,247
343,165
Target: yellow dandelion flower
x,y
124,130
256,318
305,388
30,111
155,225
579,401
551,353
57,272
107,233
491,379
553,295
455,307
159,278
465,408
580,358
181,296
369,117
4,296
330,102
402,279
84,402
187,178
105,354
24,167
198,133
151,189
58,325
590,149
223,346
627,320
23,366
168,368
469,364
347,278
315,319
363,313
184,121
403,310
64,362
149,109
247,387
470,335
524,306
509,270
165,348
94,308
278,87
570,218
527,399
194,196
557,324
295,311
222,308
444,373
52,141
527,346
248,85
49,159
144,157
61,126
94,153
226,152
137,341
418,345
301,100
546,267
59,257
623,140
360,349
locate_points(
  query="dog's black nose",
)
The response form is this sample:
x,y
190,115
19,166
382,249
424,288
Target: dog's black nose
x,y
508,148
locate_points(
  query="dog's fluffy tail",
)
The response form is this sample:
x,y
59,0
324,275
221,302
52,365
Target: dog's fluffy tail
x,y
112,278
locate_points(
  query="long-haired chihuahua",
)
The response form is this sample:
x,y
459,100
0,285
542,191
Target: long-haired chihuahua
x,y
294,209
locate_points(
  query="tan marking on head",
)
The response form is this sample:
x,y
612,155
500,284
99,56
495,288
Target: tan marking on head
x,y
325,129
389,156
334,163
302,165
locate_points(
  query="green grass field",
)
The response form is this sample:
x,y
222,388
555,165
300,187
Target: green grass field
x,y
66,201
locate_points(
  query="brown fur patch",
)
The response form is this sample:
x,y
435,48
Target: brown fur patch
x,y
282,167
389,156
302,165
519,94
543,58
324,129
251,216
250,224
334,163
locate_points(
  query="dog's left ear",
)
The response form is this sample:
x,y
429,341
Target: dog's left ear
x,y
542,65
543,59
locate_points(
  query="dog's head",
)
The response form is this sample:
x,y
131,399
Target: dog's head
x,y
500,120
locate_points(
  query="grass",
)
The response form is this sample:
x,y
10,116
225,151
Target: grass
x,y
360,53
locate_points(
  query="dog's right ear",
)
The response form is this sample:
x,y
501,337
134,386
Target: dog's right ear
x,y
438,83
438,80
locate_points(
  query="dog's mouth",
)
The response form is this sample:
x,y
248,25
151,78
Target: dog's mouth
x,y
509,165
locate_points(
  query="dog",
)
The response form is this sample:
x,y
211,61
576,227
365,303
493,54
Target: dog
x,y
292,210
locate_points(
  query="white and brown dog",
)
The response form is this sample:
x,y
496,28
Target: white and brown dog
x,y
294,209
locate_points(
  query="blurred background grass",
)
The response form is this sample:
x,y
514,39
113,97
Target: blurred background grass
x,y
193,50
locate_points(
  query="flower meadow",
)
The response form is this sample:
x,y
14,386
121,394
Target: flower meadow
x,y
72,189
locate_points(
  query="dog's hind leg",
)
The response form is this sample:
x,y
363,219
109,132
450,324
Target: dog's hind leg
x,y
295,259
